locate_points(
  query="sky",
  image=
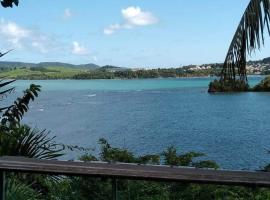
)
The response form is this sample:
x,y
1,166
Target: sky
x,y
127,33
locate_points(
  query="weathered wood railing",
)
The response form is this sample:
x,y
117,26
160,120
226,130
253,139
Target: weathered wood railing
x,y
130,171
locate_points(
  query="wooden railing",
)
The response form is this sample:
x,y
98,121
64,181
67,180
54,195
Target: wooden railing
x,y
130,171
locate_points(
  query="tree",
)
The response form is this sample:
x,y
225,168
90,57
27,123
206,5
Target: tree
x,y
248,37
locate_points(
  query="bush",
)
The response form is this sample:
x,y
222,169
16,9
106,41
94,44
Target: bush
x,y
263,86
228,86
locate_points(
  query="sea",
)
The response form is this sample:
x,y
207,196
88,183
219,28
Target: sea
x,y
147,116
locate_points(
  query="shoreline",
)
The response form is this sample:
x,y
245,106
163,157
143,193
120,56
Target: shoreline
x,y
159,78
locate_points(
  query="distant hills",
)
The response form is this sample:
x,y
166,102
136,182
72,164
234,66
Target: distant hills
x,y
90,66
5,64
264,61
59,70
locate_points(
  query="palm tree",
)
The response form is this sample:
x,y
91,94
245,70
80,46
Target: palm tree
x,y
248,37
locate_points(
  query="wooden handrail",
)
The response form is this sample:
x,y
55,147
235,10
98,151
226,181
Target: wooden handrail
x,y
134,171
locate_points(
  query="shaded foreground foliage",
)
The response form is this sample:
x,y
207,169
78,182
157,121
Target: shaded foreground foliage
x,y
17,139
101,189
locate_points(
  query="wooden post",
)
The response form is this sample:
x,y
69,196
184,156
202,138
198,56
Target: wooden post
x,y
114,189
2,186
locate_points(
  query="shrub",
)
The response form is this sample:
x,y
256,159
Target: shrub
x,y
228,86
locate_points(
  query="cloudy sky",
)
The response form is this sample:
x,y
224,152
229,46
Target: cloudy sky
x,y
131,33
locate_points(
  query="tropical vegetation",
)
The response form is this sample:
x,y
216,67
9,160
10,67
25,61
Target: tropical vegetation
x,y
18,139
67,72
248,37
263,86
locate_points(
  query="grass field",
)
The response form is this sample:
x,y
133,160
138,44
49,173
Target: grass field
x,y
41,73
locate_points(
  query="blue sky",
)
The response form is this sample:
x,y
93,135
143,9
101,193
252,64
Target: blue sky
x,y
131,33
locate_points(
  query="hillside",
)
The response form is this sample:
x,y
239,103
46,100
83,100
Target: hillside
x,y
58,70
5,64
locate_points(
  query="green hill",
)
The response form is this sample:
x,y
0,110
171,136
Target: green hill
x,y
6,64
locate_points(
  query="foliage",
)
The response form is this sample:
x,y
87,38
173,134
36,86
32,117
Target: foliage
x,y
23,141
111,154
228,86
248,37
6,91
17,139
16,190
14,113
20,140
54,72
263,86
9,3
101,189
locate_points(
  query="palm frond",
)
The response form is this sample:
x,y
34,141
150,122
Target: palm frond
x,y
26,142
16,190
2,54
249,36
15,112
37,144
9,3
5,91
4,82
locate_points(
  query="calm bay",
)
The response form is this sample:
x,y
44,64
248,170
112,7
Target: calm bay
x,y
149,115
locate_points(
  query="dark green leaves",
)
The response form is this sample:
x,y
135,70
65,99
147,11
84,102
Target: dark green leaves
x,y
14,113
9,3
249,36
173,159
27,142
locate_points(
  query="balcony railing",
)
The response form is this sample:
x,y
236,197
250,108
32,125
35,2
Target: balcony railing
x,y
117,171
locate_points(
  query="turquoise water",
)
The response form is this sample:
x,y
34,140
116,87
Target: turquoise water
x,y
141,84
147,116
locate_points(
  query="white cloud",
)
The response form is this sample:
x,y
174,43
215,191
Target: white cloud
x,y
133,16
18,37
67,14
136,17
79,49
112,29
13,33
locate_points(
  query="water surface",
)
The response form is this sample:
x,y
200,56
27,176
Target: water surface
x,y
147,116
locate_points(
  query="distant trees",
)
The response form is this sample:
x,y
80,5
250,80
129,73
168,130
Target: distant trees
x,y
143,74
